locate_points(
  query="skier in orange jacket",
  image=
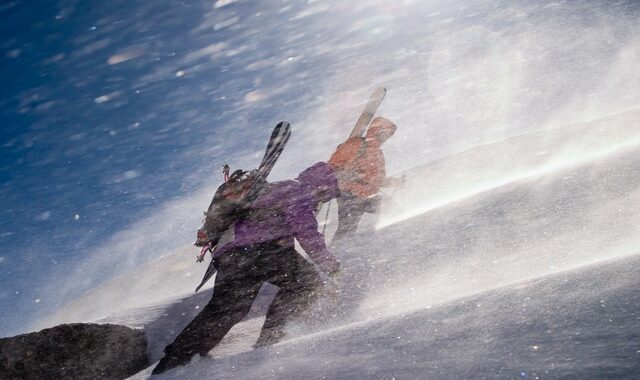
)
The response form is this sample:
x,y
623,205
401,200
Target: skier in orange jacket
x,y
359,166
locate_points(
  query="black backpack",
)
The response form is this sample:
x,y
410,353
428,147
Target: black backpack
x,y
230,203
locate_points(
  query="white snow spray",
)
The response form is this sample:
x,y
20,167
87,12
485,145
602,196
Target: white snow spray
x,y
484,169
518,131
523,101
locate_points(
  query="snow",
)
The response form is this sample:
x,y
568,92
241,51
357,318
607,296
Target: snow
x,y
518,131
125,55
498,165
106,97
465,288
127,176
222,3
43,216
459,340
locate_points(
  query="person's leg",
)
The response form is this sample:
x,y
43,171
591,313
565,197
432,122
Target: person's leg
x,y
233,295
372,204
349,213
299,285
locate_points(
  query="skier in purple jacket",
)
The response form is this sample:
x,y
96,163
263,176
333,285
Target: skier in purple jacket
x,y
263,251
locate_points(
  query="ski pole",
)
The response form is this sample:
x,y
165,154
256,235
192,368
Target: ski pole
x,y
326,218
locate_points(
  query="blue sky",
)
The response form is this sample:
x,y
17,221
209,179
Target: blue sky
x,y
109,141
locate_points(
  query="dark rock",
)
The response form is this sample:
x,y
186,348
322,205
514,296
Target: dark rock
x,y
74,351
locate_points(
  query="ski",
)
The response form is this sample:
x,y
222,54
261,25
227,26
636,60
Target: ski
x,y
211,270
370,109
277,141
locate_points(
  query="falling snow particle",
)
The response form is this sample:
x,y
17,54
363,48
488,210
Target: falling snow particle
x,y
2,259
226,23
179,73
15,53
106,97
76,217
126,176
254,96
37,300
222,3
131,174
44,216
125,56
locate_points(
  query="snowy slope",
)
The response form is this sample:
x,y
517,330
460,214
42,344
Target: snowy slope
x,y
536,278
580,324
159,281
492,165
537,274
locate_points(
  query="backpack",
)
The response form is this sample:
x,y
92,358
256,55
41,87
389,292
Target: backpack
x,y
230,203
234,197
359,167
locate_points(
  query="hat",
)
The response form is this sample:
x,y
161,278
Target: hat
x,y
381,129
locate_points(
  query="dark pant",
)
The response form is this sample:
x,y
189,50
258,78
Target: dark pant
x,y
240,275
350,211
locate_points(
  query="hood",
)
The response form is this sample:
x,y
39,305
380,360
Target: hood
x,y
381,129
321,180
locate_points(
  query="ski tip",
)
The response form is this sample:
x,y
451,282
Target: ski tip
x,y
378,94
281,126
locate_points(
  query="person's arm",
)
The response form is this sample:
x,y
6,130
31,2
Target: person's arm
x,y
302,222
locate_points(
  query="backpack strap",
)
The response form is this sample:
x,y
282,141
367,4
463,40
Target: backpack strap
x,y
361,151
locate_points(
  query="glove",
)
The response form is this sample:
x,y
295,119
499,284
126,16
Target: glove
x,y
203,252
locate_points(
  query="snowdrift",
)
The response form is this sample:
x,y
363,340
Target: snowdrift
x,y
515,259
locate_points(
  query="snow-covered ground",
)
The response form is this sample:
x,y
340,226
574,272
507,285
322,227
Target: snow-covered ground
x,y
537,276
579,324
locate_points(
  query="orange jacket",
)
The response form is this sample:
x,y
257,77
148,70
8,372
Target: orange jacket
x,y
359,166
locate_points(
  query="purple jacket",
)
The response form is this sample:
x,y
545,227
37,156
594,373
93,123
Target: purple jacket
x,y
285,211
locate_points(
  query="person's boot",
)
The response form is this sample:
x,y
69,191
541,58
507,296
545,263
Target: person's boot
x,y
169,362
